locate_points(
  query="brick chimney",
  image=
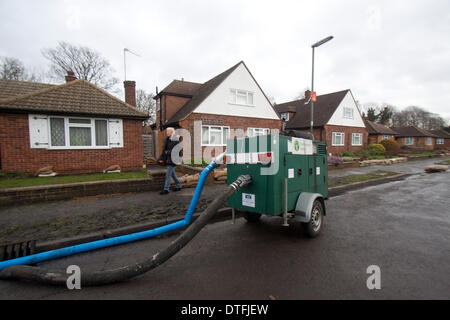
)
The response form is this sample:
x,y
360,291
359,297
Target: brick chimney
x,y
130,92
70,76
307,95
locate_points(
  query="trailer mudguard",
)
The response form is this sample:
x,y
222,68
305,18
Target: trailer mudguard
x,y
304,206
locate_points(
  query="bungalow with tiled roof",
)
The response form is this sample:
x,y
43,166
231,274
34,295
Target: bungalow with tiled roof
x,y
378,132
337,120
415,138
442,139
210,111
75,127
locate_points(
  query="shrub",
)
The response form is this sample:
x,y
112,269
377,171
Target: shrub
x,y
335,160
347,154
376,149
392,147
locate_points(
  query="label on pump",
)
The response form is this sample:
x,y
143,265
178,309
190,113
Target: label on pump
x,y
300,146
248,200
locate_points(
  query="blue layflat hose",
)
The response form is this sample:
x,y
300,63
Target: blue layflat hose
x,y
67,251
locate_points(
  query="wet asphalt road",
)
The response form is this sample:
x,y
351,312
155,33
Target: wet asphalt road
x,y
403,227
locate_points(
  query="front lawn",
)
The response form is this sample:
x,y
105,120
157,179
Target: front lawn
x,y
423,154
19,180
340,181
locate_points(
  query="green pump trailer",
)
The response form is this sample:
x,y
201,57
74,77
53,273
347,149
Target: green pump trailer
x,y
289,179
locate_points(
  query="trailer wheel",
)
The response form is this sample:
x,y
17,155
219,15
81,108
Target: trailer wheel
x,y
251,216
314,226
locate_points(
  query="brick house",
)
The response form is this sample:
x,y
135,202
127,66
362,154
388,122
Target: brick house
x,y
415,138
442,139
379,132
337,120
75,127
210,112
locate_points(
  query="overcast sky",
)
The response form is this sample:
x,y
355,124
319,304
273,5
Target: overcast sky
x,y
384,51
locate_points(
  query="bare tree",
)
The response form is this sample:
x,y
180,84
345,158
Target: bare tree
x,y
14,69
85,62
416,116
145,103
11,69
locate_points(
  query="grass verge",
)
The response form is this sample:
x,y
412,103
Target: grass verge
x,y
341,181
19,180
445,162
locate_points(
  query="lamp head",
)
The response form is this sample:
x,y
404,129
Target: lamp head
x,y
321,42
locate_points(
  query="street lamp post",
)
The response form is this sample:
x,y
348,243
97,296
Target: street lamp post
x,y
315,45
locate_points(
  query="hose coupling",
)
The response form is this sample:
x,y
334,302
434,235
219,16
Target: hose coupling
x,y
241,181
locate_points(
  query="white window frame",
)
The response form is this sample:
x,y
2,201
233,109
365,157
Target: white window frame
x,y
224,143
284,116
386,137
67,125
360,139
440,141
236,92
346,116
409,141
429,141
265,131
333,139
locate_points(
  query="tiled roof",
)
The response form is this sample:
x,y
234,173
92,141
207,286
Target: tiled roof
x,y
14,88
441,133
284,108
182,88
200,95
324,108
376,128
76,97
411,131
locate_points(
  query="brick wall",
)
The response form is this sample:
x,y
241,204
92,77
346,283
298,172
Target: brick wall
x,y
419,143
220,120
169,105
16,154
446,145
327,135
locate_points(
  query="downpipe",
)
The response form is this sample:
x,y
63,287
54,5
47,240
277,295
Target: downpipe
x,y
46,276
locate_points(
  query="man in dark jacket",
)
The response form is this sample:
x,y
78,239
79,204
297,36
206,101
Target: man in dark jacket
x,y
166,158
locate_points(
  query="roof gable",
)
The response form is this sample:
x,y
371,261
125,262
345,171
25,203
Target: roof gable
x,y
324,108
203,96
219,102
75,97
339,119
